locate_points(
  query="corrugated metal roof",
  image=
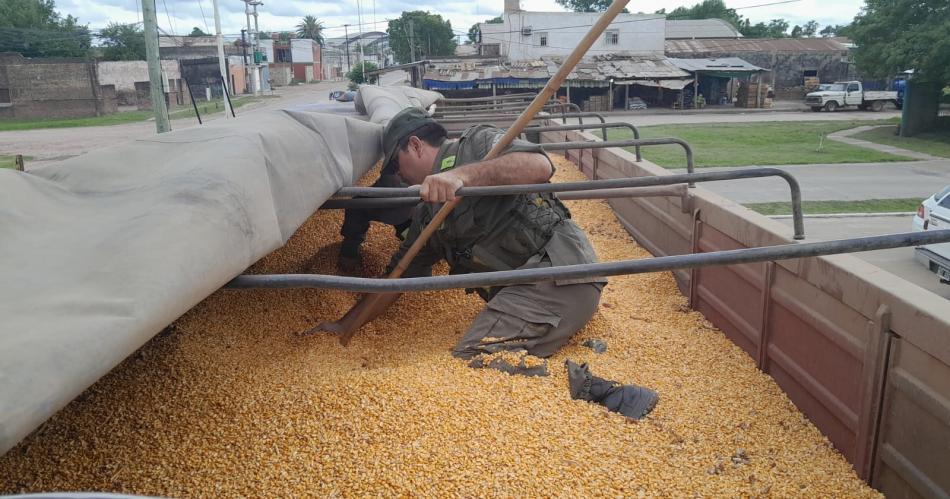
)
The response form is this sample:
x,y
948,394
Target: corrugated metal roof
x,y
590,70
700,28
724,64
722,45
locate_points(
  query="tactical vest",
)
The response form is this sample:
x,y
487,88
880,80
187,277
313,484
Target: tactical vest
x,y
491,233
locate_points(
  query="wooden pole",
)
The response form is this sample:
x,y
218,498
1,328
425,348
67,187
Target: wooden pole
x,y
513,131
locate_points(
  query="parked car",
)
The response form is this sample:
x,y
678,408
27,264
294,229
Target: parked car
x,y
934,214
849,93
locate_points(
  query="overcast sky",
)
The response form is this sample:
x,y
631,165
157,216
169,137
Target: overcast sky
x,y
180,16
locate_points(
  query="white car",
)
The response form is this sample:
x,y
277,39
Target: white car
x,y
934,214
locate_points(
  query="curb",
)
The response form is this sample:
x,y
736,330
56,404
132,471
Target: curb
x,y
851,215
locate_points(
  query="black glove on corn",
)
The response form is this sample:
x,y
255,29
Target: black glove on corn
x,y
632,401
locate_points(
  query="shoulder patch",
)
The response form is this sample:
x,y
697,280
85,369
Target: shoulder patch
x,y
447,163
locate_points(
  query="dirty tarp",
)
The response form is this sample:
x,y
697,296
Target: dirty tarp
x,y
102,251
382,103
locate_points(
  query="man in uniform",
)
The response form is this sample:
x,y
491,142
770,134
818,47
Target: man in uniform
x,y
491,233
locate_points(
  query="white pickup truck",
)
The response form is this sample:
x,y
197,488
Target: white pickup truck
x,y
849,93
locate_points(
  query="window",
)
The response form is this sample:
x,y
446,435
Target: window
x,y
612,37
946,202
542,39
5,96
853,87
810,73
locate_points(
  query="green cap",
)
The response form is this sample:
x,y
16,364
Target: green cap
x,y
399,127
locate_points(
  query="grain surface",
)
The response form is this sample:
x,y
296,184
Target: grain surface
x,y
229,401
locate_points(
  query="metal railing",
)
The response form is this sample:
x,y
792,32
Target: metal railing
x,y
590,185
591,270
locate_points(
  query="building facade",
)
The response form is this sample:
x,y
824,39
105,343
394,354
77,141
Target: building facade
x,y
526,36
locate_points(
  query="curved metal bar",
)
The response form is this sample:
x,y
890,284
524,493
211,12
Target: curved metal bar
x,y
602,126
564,146
677,178
625,192
588,270
524,95
489,118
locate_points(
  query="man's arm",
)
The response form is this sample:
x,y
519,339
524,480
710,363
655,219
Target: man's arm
x,y
508,169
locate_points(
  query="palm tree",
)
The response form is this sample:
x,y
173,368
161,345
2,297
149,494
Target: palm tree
x,y
312,28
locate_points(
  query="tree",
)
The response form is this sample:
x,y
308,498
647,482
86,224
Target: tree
x,y
35,29
707,9
776,28
122,42
312,28
473,31
896,35
716,9
356,75
834,30
196,31
432,36
808,29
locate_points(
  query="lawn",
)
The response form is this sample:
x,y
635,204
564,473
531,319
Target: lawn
x,y
124,117
934,143
756,144
906,205
7,160
216,106
109,119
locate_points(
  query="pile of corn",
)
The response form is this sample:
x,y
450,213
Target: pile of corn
x,y
230,401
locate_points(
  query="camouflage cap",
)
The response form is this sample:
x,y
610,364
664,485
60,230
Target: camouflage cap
x,y
400,126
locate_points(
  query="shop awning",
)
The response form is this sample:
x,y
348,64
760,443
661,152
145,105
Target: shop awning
x,y
667,84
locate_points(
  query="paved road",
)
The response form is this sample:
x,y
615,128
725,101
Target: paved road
x,y
858,181
898,261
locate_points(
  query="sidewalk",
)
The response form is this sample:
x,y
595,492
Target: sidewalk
x,y
844,136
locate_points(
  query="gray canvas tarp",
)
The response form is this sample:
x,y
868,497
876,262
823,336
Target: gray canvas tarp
x,y
382,103
102,251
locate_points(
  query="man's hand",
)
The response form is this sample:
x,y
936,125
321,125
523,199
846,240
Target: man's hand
x,y
440,187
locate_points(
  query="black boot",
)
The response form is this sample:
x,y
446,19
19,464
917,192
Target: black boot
x,y
632,401
350,261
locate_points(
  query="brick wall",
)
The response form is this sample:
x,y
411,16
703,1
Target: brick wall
x,y
53,88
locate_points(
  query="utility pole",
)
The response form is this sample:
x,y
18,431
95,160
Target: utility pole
x,y
346,34
154,67
222,65
258,69
250,7
247,75
412,43
359,16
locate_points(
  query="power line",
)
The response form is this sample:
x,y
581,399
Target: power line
x,y
203,18
172,29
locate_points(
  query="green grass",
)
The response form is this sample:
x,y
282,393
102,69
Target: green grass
x,y
109,119
7,160
934,143
759,144
216,106
905,205
124,117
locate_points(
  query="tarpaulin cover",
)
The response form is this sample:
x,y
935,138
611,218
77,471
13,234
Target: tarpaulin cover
x,y
382,103
102,251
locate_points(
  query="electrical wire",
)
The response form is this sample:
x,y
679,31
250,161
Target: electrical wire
x,y
203,18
